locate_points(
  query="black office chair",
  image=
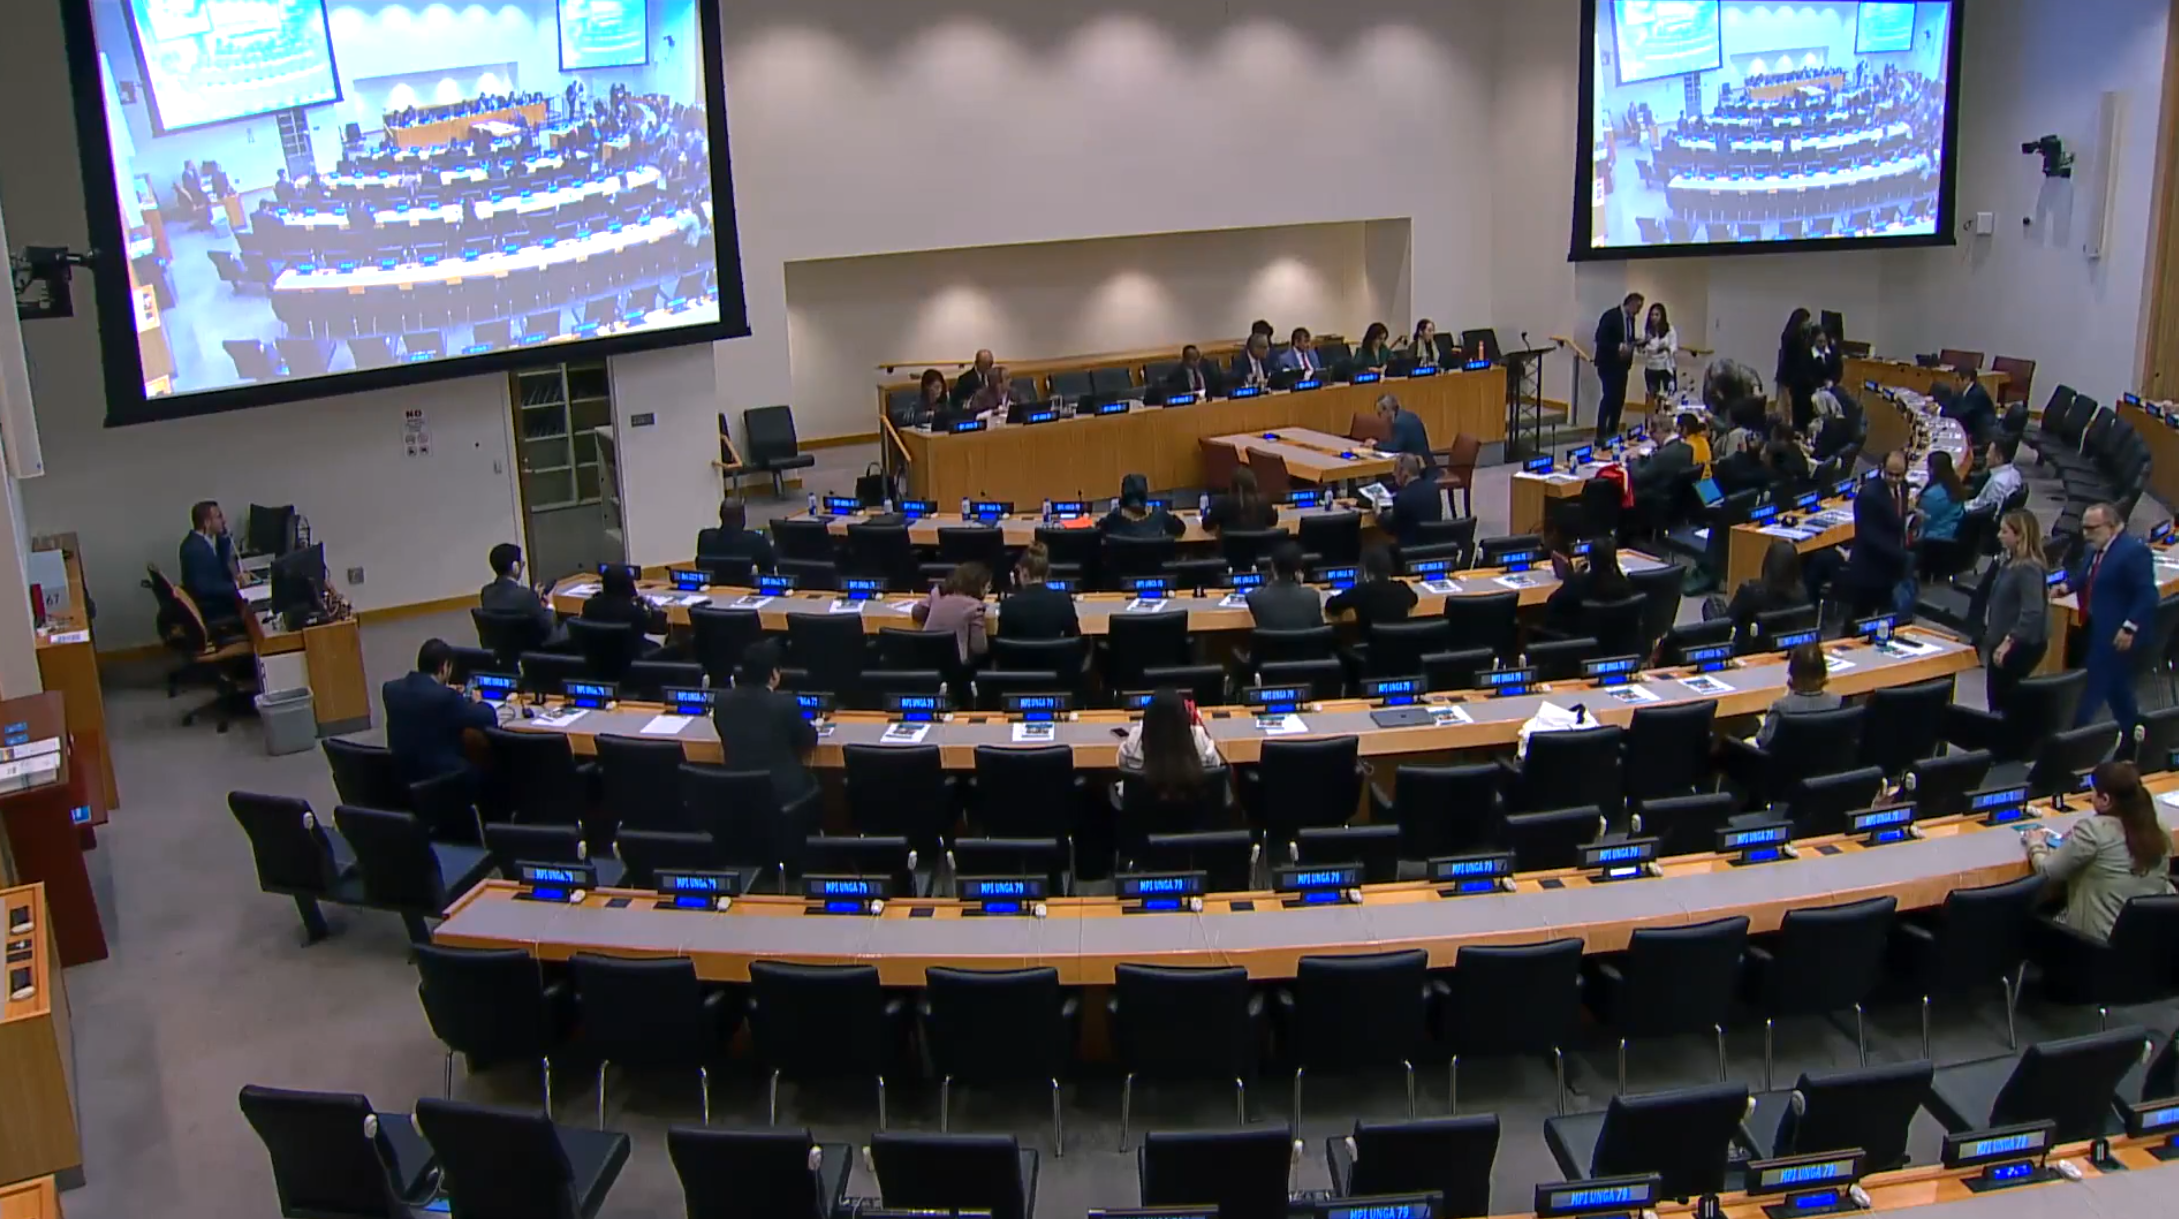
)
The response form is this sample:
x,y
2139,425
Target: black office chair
x,y
772,447
1870,1108
1396,649
508,634
403,870
1561,659
2070,1081
1375,847
958,544
1670,981
721,635
1245,1173
909,649
759,1174
1667,751
830,649
542,780
1226,857
2134,966
1246,549
1456,670
1977,935
646,853
998,1026
1685,1135
607,648
2062,757
1069,658
1206,684
1074,552
1332,537
2156,740
1660,590
1822,959
1441,810
297,857
1284,647
1805,744
1173,1024
801,538
640,782
889,858
1124,557
335,1154
1511,999
2039,707
1040,857
1684,825
651,1014
646,681
1819,804
547,673
881,551
492,1005
1447,1156
740,810
1617,626
505,1162
1939,786
365,775
818,1022
1345,1013
1491,621
949,1173
1566,769
1298,784
901,790
1137,643
1324,679
1550,839
1025,793
1905,724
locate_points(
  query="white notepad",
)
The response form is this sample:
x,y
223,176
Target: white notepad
x,y
905,734
667,725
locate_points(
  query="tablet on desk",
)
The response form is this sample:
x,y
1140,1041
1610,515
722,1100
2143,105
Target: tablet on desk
x,y
255,594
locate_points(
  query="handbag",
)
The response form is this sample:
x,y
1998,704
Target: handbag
x,y
870,488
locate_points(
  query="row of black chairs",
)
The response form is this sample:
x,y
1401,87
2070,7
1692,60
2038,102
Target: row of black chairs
x,y
2097,454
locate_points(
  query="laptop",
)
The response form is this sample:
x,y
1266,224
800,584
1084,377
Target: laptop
x,y
1707,491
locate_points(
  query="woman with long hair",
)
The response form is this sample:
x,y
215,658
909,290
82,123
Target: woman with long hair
x,y
2016,622
1422,346
2109,859
956,606
1376,349
1243,506
930,396
1943,501
1168,748
1660,351
1780,587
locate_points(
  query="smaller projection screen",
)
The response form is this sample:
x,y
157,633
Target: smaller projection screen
x,y
299,198
1748,126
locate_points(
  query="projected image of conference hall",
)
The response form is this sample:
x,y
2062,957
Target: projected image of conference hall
x,y
1745,122
312,187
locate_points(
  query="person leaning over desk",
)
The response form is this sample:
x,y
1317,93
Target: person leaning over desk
x,y
975,378
1036,610
1409,433
2107,860
211,573
425,718
1417,502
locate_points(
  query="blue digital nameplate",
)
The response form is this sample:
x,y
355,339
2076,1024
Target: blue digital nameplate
x,y
1039,708
1539,465
1394,691
1244,581
966,425
686,580
1576,458
1762,514
1275,700
1994,1146
845,894
1368,378
1002,895
1786,641
1423,370
1999,805
1432,569
1808,502
1794,1174
1307,499
495,687
1068,509
773,586
1149,588
1308,383
861,588
1417,1206
1339,577
1135,700
1059,585
990,509
589,695
917,708
841,505
1517,561
1506,683
1111,408
1877,628
1041,415
1170,400
1247,391
1599,1196
1466,875
1756,843
696,890
813,706
555,882
1618,860
1611,671
1161,891
1475,366
1882,826
917,509
689,701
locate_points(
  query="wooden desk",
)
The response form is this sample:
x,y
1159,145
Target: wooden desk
x,y
38,1120
447,130
1895,374
1791,88
1311,456
2163,442
40,806
2065,612
33,1199
1529,496
332,655
1021,528
68,666
1088,455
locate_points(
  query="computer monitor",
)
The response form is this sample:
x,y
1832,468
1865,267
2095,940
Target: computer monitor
x,y
271,530
1834,324
298,580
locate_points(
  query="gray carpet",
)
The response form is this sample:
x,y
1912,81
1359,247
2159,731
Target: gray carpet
x,y
208,988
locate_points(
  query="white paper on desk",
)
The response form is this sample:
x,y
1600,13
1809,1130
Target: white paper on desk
x,y
1789,533
667,725
1233,601
1703,683
1703,533
753,601
1632,695
559,719
1035,734
1442,716
1518,580
1562,478
1142,606
1281,725
1836,664
70,637
255,593
658,600
1439,588
1895,646
846,607
579,590
693,599
905,734
2171,798
903,607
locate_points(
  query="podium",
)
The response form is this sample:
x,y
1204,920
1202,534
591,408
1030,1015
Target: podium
x,y
1524,401
45,806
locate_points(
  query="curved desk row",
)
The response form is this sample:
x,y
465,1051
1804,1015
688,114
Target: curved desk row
x,y
1084,938
1021,528
1480,723
435,132
1209,612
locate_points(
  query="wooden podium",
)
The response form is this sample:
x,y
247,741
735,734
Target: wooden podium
x,y
38,1135
41,793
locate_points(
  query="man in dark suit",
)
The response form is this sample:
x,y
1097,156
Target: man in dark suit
x,y
1253,365
734,539
507,594
284,190
1284,603
1970,405
1409,434
1417,501
762,729
1300,355
1616,333
1881,559
2116,579
1037,610
210,570
975,378
425,717
1193,376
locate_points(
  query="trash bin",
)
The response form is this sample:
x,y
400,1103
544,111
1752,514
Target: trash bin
x,y
291,721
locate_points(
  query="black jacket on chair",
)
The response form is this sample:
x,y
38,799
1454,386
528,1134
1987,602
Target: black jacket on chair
x,y
424,724
1038,612
638,613
747,544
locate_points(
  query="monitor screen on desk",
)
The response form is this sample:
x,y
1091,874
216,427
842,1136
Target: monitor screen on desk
x,y
428,221
1743,126
298,579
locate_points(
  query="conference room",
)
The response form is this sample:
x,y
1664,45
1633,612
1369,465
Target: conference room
x,y
1149,638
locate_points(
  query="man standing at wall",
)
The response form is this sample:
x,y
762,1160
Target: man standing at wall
x,y
1616,333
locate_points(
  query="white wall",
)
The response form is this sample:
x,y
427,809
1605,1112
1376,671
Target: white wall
x,y
846,315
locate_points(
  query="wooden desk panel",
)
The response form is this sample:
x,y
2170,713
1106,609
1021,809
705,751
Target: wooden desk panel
x,y
1896,374
33,1199
2163,442
70,669
38,1120
1021,530
447,130
1086,456
333,660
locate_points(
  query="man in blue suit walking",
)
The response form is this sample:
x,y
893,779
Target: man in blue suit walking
x,y
2116,580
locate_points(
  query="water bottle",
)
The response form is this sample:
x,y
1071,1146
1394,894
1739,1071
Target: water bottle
x,y
1203,504
1047,510
964,507
813,503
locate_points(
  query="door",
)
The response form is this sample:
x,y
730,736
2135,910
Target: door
x,y
295,149
563,429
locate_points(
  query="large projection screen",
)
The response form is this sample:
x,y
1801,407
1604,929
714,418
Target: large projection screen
x,y
1745,126
455,203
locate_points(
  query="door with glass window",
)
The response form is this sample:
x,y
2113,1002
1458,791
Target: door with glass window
x,y
570,478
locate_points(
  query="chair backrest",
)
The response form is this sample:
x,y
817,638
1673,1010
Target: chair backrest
x,y
1026,793
1360,1010
487,1003
499,1163
1449,1156
647,680
549,672
1687,825
1396,649
769,431
608,648
540,775
2069,1081
1552,838
1219,463
1271,476
1964,361
1227,857
1125,555
1445,810
1309,783
1514,998
979,1172
1185,1023
721,635
1680,979
1375,847
1326,678
740,810
1939,786
2143,945
1820,803
507,634
1245,1173
1870,1108
365,775
1660,591
643,1012
830,648
888,856
818,1020
995,1024
2061,756
899,790
747,1174
514,843
645,853
1334,537
1616,625
1490,621
1981,936
1206,684
1135,642
1684,1135
1368,425
1580,766
640,781
905,649
1268,645
2039,707
2156,740
1827,958
292,852
1027,856
803,539
393,852
323,1162
1457,669
1813,743
1667,750
881,550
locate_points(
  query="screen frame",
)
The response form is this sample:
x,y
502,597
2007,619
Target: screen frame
x,y
126,403
559,40
159,125
1860,50
1580,250
1619,49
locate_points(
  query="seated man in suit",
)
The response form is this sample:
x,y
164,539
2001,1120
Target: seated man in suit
x,y
425,717
1409,435
1300,355
1970,405
996,395
507,594
1417,501
734,539
1284,603
1657,480
1193,375
210,570
1253,366
975,378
